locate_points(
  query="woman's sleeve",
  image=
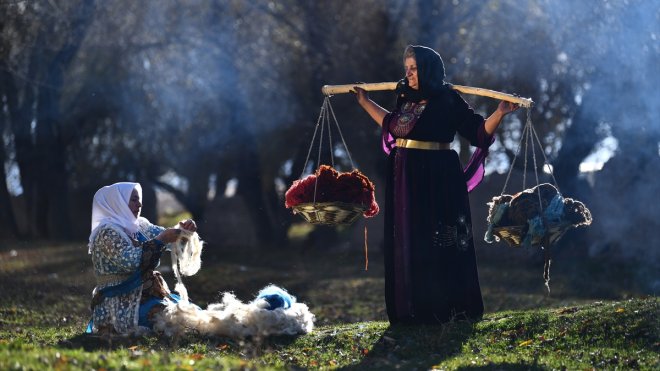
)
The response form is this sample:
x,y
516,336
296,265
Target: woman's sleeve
x,y
117,251
471,124
387,140
150,230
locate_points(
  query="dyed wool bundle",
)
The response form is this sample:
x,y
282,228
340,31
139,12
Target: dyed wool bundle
x,y
273,312
329,185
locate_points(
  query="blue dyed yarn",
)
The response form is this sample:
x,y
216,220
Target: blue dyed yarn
x,y
553,214
555,210
536,229
276,297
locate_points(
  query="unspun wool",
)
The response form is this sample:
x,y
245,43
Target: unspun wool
x,y
186,254
273,312
235,319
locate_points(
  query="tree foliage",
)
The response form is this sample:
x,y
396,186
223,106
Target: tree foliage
x,y
188,95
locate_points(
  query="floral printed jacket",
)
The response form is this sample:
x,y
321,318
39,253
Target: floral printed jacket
x,y
115,256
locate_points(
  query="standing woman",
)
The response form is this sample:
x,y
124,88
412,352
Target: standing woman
x,y
430,264
125,249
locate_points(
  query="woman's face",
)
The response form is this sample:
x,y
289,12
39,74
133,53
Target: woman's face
x,y
134,203
410,65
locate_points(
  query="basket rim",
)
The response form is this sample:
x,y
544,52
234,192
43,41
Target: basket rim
x,y
521,226
317,205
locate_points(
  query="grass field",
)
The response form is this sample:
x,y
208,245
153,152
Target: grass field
x,y
595,317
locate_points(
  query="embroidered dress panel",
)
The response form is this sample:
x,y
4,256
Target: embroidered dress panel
x,y
406,118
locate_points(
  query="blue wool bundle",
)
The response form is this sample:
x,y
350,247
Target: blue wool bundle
x,y
553,214
555,210
276,297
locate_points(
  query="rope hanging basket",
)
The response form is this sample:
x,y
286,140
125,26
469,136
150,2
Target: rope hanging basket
x,y
330,197
538,216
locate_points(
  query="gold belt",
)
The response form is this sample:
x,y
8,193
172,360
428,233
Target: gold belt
x,y
418,144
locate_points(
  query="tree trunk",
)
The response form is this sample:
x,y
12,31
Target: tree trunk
x,y
49,204
578,141
8,226
250,189
198,189
21,115
7,220
52,197
195,200
149,202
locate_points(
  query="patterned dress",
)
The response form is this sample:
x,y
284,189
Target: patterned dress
x,y
115,257
430,264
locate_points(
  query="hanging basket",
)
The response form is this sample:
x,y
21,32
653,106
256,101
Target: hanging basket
x,y
328,196
332,198
330,213
534,217
538,216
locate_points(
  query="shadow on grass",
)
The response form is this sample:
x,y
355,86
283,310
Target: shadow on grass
x,y
416,346
505,366
250,347
93,342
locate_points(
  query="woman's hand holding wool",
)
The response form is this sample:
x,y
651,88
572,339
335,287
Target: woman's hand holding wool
x,y
188,225
169,235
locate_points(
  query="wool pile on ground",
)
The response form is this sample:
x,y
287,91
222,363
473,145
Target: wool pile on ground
x,y
233,318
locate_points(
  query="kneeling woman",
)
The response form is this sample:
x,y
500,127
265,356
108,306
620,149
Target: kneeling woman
x,y
125,249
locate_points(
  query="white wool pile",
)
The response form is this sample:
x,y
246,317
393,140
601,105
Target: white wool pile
x,y
186,254
235,319
230,317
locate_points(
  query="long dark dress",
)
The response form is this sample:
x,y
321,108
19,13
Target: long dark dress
x,y
430,264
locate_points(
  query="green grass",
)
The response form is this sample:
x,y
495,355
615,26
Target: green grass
x,y
46,290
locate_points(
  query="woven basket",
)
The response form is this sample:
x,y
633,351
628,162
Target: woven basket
x,y
514,236
330,213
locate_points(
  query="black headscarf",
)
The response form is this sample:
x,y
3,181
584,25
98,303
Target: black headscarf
x,y
430,76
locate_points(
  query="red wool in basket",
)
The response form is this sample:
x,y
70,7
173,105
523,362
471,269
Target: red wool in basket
x,y
332,186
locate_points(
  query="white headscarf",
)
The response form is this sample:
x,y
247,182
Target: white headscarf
x,y
110,206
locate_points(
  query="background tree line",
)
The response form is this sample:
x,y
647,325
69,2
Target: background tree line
x,y
186,96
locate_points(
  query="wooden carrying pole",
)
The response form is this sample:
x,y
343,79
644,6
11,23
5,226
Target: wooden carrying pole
x,y
348,88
